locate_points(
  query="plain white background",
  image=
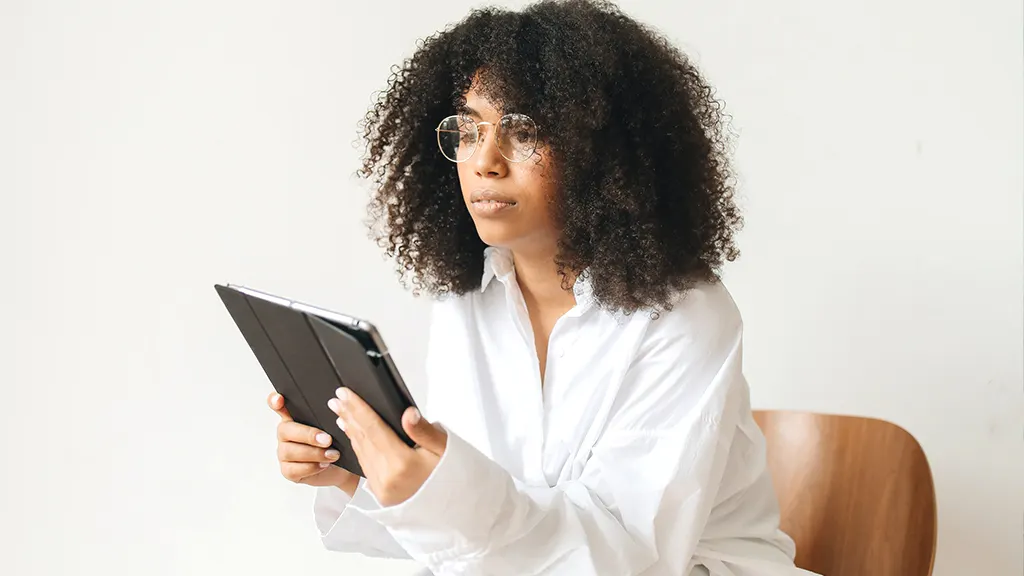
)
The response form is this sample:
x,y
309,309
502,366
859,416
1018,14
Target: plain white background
x,y
151,149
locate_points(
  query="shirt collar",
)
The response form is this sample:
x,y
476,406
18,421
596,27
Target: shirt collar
x,y
584,293
498,264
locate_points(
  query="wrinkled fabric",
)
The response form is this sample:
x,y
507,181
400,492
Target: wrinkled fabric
x,y
636,455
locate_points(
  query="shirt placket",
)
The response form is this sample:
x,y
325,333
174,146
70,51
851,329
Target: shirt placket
x,y
534,450
560,416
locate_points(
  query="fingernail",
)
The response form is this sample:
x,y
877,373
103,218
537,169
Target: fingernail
x,y
333,404
325,464
415,418
342,393
332,454
341,424
275,398
324,439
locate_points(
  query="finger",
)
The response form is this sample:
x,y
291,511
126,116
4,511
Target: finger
x,y
427,435
367,457
362,421
304,453
357,448
294,432
298,471
276,402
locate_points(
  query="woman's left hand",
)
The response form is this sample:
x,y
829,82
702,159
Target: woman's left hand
x,y
394,471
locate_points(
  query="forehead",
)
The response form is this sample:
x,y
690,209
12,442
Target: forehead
x,y
477,104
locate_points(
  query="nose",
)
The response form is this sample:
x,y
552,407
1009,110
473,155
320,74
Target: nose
x,y
488,161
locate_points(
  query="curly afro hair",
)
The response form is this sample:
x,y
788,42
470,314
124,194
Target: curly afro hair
x,y
645,201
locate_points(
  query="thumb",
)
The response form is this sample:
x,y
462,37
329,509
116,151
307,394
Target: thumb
x,y
276,403
429,436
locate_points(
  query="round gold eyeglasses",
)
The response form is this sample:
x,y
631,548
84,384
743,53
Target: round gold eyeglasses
x,y
459,137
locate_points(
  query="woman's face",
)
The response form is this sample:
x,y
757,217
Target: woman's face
x,y
509,201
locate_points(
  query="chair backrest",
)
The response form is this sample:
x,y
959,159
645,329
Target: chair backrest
x,y
856,494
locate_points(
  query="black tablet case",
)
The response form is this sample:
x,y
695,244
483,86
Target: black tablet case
x,y
307,358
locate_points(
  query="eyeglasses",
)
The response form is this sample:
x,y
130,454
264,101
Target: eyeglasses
x,y
459,137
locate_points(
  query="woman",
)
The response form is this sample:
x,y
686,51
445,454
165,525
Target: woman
x,y
557,178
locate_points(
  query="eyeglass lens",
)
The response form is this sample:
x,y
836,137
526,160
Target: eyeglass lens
x,y
459,137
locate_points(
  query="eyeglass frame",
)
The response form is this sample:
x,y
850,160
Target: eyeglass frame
x,y
476,126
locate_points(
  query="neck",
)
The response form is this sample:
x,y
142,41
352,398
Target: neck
x,y
538,278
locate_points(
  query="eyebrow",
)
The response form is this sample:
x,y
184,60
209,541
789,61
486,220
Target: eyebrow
x,y
469,111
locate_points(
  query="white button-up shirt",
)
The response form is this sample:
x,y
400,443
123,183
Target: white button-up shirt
x,y
638,455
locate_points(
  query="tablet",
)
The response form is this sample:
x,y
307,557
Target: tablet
x,y
308,353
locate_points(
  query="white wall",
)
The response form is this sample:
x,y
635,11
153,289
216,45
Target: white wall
x,y
148,150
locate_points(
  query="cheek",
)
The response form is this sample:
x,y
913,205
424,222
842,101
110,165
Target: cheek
x,y
540,182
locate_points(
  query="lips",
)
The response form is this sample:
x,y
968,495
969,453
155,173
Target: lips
x,y
487,195
491,203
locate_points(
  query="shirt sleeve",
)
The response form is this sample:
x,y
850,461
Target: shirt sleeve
x,y
345,523
344,527
644,495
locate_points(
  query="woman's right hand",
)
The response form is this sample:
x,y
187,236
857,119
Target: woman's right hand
x,y
305,453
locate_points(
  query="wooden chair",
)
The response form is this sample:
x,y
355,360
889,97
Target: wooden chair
x,y
856,494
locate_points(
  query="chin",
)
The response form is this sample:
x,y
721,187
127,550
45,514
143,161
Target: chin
x,y
497,235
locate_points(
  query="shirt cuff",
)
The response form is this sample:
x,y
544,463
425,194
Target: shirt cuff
x,y
343,528
453,512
